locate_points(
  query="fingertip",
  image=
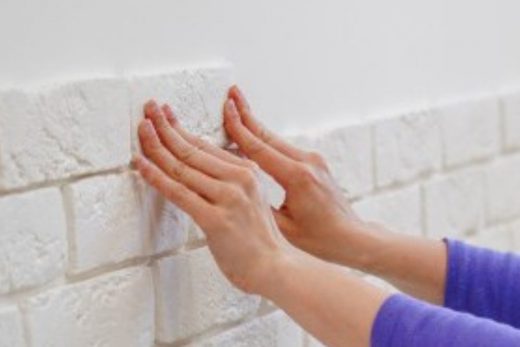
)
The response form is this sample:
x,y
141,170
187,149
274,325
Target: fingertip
x,y
233,90
150,107
146,128
231,108
168,112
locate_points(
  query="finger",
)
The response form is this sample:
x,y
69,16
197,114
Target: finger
x,y
174,191
270,160
284,223
174,168
259,130
198,142
183,150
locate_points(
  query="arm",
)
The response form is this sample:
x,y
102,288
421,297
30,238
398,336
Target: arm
x,y
477,281
483,282
221,193
407,322
334,232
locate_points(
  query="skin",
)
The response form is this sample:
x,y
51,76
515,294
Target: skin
x,y
221,192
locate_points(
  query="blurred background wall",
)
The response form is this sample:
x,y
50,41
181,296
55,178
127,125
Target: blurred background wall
x,y
296,59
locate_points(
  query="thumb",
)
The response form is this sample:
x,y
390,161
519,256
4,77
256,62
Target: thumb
x,y
285,224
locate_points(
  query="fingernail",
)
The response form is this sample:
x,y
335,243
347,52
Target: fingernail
x,y
148,127
151,106
231,108
169,113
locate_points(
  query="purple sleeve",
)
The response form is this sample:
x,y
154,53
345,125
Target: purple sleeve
x,y
484,283
404,321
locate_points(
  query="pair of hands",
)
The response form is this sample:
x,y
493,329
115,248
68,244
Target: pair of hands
x,y
221,191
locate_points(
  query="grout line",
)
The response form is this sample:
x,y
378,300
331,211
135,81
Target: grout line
x,y
27,336
216,330
65,180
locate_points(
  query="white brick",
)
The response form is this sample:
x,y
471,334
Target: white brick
x,y
454,204
503,189
63,131
168,227
197,96
106,226
111,310
515,234
398,210
193,295
407,147
119,217
500,237
33,247
471,130
11,331
348,151
511,105
274,330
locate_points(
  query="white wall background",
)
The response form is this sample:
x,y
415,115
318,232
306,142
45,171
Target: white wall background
x,y
296,59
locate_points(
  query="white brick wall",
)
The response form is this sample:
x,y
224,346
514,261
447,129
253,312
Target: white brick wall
x,y
193,295
11,330
115,309
91,256
33,246
511,126
407,147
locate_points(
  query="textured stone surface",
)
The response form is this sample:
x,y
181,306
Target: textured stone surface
x,y
398,210
274,330
196,95
61,131
119,217
407,147
11,329
440,170
166,226
511,108
470,130
193,295
499,237
348,152
106,226
502,189
32,239
111,310
454,204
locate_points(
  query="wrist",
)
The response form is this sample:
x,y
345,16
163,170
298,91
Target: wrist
x,y
363,246
278,272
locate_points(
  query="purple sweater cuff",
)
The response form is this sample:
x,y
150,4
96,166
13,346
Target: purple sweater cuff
x,y
403,321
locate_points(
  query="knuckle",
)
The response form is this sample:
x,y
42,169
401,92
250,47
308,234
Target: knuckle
x,y
234,195
200,144
305,176
176,193
251,165
247,179
253,147
178,170
188,153
264,134
316,158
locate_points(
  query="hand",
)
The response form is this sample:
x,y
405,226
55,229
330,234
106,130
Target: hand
x,y
219,190
315,216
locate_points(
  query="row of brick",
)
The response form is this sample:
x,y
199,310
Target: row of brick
x,y
56,132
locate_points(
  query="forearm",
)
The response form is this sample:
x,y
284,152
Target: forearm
x,y
413,264
337,308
